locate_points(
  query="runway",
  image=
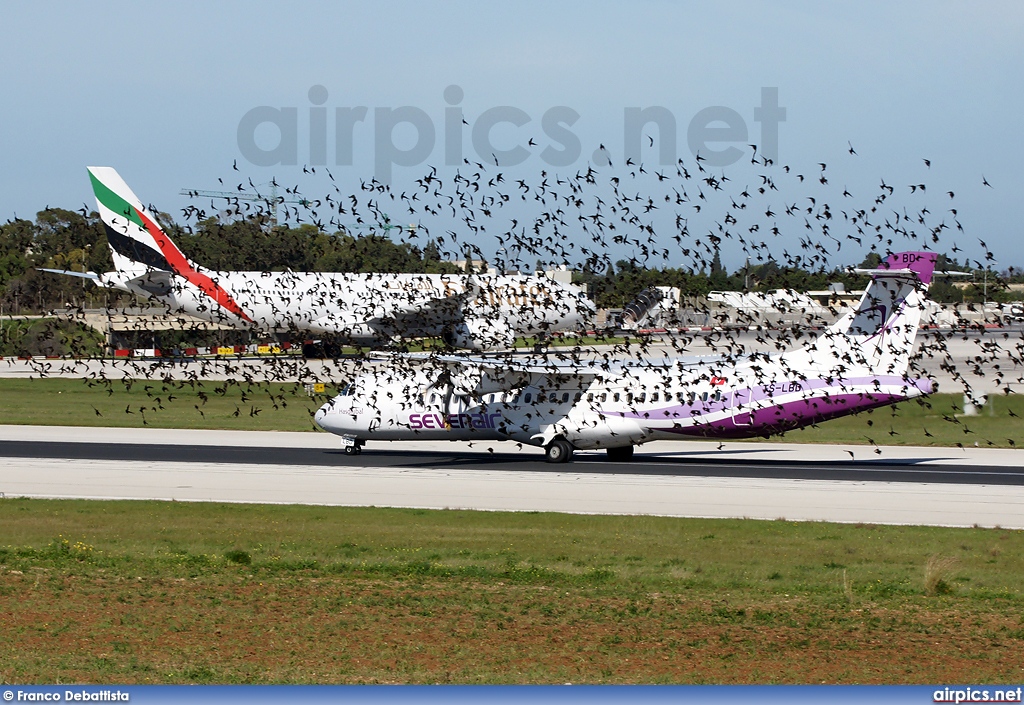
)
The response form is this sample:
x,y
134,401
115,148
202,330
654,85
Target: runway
x,y
946,487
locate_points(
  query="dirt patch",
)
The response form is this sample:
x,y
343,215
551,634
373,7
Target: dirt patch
x,y
353,628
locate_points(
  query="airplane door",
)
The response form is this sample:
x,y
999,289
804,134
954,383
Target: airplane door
x,y
740,405
454,407
454,404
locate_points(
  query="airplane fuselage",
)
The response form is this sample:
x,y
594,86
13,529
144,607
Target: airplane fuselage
x,y
640,406
494,309
862,361
472,311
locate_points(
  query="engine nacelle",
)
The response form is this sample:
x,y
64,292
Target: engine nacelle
x,y
479,334
477,381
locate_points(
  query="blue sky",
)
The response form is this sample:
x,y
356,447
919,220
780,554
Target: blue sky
x,y
158,90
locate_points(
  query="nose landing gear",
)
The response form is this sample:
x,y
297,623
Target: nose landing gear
x,y
352,446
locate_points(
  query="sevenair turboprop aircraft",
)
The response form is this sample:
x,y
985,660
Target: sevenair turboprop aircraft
x,y
476,312
860,362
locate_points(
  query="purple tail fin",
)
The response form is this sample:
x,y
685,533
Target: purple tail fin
x,y
920,263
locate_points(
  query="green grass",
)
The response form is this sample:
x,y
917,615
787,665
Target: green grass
x,y
649,553
164,592
159,404
937,421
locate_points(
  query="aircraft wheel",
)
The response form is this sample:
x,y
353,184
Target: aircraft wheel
x,y
558,451
353,450
620,454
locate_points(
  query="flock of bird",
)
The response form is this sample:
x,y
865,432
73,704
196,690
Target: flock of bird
x,y
582,219
680,215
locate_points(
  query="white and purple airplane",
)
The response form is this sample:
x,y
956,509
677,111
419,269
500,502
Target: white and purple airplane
x,y
861,362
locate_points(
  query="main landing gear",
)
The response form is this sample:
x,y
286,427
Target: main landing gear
x,y
558,451
620,454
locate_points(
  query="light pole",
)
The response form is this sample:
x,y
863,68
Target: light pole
x,y
984,287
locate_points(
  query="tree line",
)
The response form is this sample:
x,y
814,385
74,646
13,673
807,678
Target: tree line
x,y
74,240
63,239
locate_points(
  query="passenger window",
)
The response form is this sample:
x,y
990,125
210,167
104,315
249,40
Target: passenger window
x,y
654,397
577,396
604,396
590,398
615,397
629,398
565,397
527,398
718,396
642,397
704,396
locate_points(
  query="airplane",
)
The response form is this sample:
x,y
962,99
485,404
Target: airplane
x,y
474,312
861,362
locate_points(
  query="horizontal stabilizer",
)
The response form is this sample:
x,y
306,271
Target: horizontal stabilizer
x,y
905,265
92,276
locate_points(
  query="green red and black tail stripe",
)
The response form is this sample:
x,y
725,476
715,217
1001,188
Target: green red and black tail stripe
x,y
165,256
180,265
135,251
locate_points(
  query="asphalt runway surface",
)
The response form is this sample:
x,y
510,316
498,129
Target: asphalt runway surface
x,y
731,464
905,485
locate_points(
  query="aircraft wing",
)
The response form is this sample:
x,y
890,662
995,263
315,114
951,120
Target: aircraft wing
x,y
154,281
382,310
435,312
487,374
682,362
440,309
478,374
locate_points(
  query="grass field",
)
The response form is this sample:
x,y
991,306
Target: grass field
x,y
177,404
287,407
149,592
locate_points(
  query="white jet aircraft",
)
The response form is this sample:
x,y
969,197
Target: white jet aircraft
x,y
476,312
861,362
